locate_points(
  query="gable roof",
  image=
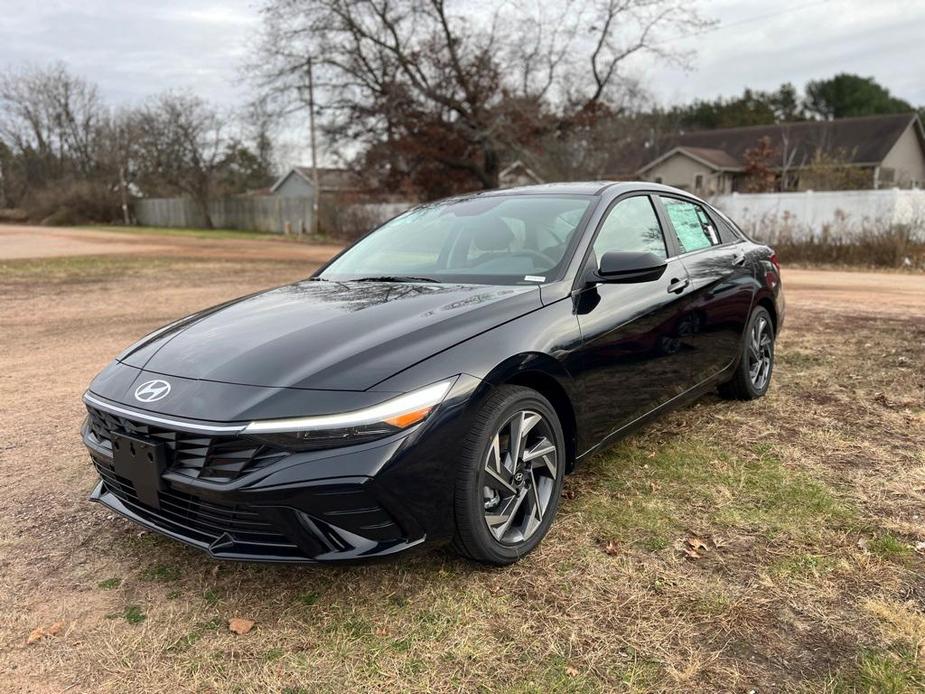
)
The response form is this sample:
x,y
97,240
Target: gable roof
x,y
328,178
863,140
716,159
518,167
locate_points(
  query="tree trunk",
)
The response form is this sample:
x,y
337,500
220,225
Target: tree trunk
x,y
203,204
490,166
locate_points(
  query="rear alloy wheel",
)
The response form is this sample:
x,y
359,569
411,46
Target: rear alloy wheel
x,y
753,373
759,352
511,478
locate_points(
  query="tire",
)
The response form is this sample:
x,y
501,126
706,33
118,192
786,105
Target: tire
x,y
752,376
502,515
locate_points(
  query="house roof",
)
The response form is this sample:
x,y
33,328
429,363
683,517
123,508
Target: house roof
x,y
716,159
328,178
864,140
518,167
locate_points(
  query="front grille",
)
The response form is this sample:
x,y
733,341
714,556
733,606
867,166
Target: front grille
x,y
200,456
208,522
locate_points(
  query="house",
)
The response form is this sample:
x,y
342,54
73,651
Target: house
x,y
518,174
297,182
884,152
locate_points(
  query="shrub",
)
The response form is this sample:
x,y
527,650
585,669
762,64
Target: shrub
x,y
73,202
896,246
13,215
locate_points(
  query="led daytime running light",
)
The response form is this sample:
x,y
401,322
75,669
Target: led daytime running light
x,y
400,412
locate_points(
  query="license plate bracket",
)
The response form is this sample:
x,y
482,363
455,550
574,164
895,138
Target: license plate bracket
x,y
141,461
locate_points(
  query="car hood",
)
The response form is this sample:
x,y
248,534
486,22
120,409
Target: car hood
x,y
327,335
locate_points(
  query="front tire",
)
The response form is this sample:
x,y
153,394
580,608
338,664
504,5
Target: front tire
x,y
510,477
756,363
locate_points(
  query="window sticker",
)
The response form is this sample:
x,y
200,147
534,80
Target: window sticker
x,y
687,224
534,278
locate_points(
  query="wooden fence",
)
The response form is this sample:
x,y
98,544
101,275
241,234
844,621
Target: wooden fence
x,y
259,213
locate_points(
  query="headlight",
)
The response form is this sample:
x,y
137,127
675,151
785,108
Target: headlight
x,y
328,431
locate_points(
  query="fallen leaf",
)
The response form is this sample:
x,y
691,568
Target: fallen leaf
x,y
611,548
696,544
382,631
691,554
920,547
239,625
39,633
571,672
568,493
862,544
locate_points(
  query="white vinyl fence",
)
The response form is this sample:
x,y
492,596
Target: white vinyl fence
x,y
812,214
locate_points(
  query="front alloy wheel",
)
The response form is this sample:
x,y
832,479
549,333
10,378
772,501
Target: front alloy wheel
x,y
510,476
519,477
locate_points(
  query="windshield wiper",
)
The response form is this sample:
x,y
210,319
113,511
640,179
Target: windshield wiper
x,y
395,278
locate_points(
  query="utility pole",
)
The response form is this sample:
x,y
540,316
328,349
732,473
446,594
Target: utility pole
x,y
316,193
122,145
123,188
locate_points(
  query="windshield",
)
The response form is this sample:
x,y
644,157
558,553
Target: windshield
x,y
498,239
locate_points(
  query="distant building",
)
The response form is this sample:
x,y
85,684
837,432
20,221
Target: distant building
x,y
888,151
518,174
297,182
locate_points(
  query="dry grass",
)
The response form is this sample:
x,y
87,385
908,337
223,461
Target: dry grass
x,y
807,504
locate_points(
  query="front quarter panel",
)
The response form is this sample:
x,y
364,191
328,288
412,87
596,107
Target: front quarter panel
x,y
541,340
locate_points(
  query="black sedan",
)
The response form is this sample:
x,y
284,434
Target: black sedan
x,y
437,379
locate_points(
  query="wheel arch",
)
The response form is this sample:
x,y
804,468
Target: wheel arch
x,y
767,303
545,375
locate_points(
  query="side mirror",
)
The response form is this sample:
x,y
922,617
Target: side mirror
x,y
627,267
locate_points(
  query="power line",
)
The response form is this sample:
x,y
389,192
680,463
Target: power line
x,y
749,20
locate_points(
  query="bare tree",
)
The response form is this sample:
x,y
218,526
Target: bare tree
x,y
181,147
440,88
50,120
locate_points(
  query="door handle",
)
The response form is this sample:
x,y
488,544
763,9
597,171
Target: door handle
x,y
676,286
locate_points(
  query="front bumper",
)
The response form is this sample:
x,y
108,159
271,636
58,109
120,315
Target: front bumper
x,y
245,534
353,503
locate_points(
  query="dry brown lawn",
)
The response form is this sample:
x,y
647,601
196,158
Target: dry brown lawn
x,y
768,546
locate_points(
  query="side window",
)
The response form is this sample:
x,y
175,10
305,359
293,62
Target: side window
x,y
631,225
692,225
729,230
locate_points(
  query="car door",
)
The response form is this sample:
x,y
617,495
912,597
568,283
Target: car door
x,y
632,356
722,284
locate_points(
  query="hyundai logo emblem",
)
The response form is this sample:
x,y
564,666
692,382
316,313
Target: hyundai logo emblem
x,y
149,391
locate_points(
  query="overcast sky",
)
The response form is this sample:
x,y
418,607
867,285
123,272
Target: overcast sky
x,y
132,49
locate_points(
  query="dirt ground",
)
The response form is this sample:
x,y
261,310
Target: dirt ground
x,y
18,242
768,546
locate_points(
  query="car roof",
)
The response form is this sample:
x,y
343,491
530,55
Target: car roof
x,y
608,188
